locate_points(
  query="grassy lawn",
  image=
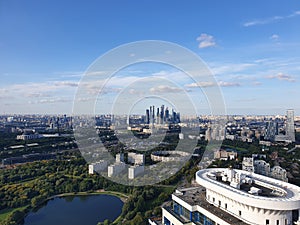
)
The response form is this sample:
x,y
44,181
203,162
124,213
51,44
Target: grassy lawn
x,y
4,213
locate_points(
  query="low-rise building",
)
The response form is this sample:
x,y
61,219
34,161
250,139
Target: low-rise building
x,y
135,158
248,164
279,173
262,167
225,154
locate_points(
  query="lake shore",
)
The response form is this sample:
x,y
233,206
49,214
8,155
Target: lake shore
x,y
27,209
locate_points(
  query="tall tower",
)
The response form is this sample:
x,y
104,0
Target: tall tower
x,y
162,111
272,130
167,114
153,115
290,125
147,116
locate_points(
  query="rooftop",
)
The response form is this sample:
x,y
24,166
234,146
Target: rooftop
x,y
250,188
196,196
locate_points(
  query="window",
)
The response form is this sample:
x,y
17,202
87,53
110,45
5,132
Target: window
x,y
277,222
240,213
213,199
166,221
225,205
267,222
219,203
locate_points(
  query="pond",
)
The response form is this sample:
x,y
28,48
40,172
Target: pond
x,y
76,210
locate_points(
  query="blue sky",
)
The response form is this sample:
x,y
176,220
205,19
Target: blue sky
x,y
252,47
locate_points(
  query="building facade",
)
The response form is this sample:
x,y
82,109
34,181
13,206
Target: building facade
x,y
97,166
290,125
228,196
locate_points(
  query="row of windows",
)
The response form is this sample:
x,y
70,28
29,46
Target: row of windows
x,y
277,222
193,216
240,212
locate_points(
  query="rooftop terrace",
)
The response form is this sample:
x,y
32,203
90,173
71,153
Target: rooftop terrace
x,y
196,196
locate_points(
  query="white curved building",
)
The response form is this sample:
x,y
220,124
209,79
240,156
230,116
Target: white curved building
x,y
253,198
228,196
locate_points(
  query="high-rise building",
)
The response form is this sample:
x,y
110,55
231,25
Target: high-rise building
x,y
147,119
290,125
271,130
153,115
227,196
97,166
167,114
162,114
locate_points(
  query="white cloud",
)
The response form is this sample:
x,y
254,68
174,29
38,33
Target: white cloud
x,y
228,84
201,84
66,84
274,37
165,89
133,91
231,68
296,13
247,100
204,84
36,95
270,20
70,74
206,40
262,21
282,76
3,91
50,101
257,83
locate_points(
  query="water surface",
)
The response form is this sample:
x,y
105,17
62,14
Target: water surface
x,y
76,210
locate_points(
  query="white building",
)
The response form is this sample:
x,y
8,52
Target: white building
x,y
227,197
279,173
263,168
97,166
119,157
248,164
135,158
290,125
25,137
134,171
168,156
115,169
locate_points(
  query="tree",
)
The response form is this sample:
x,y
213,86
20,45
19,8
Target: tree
x,y
140,204
106,222
36,201
138,219
163,197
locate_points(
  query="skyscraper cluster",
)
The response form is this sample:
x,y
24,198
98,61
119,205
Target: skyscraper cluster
x,y
161,115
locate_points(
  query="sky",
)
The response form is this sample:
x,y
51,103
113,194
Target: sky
x,y
252,49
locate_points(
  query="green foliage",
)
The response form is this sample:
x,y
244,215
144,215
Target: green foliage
x,y
32,184
138,219
14,218
106,222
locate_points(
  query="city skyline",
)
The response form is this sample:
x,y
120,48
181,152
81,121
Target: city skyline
x,y
253,51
